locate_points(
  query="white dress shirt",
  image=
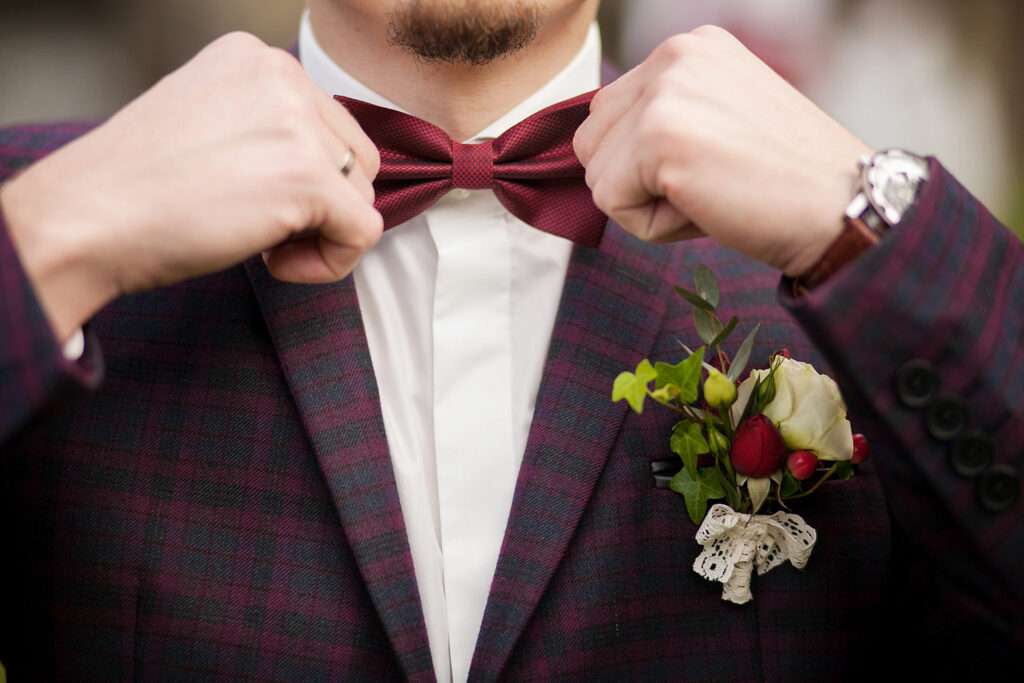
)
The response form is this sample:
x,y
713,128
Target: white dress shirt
x,y
458,304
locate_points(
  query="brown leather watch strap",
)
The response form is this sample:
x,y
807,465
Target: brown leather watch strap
x,y
855,238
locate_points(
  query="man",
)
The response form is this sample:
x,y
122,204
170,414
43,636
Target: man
x,y
296,446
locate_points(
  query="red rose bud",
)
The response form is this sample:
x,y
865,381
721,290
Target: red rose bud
x,y
860,449
801,464
784,352
757,448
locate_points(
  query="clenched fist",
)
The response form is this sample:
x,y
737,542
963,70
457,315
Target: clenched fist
x,y
704,138
234,154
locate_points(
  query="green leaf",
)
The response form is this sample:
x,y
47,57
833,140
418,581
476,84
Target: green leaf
x,y
790,485
742,357
688,442
732,496
707,285
717,441
633,386
696,491
844,470
694,299
758,490
708,325
684,375
724,334
711,479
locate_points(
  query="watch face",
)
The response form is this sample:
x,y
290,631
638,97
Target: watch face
x,y
892,181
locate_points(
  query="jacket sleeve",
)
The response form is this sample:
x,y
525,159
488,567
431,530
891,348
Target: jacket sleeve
x,y
924,332
33,369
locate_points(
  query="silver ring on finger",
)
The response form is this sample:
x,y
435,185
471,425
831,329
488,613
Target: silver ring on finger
x,y
349,163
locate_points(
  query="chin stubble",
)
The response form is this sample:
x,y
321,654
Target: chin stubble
x,y
462,31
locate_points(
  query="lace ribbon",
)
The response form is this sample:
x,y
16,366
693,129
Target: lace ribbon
x,y
734,543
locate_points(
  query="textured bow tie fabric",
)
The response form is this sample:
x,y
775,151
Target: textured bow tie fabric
x,y
531,167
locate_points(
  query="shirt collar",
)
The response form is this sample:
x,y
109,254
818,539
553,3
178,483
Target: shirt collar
x,y
581,74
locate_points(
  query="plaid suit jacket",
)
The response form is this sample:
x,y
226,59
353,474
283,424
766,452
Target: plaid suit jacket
x,y
208,494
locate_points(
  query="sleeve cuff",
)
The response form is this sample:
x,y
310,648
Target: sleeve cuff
x,y
75,346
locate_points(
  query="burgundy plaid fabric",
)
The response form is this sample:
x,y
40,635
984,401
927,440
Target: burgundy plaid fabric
x,y
532,167
217,502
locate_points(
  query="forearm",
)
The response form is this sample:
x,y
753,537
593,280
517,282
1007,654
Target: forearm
x,y
943,290
53,251
33,368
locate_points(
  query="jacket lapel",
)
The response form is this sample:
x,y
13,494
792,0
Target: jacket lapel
x,y
319,337
611,310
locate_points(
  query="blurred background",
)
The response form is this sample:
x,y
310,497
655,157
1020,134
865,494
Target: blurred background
x,y
940,77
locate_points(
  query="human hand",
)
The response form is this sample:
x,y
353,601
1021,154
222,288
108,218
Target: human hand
x,y
704,138
235,153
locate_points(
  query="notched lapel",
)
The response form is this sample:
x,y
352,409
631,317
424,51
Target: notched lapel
x,y
319,336
611,309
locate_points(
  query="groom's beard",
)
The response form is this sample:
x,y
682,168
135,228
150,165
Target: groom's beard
x,y
472,32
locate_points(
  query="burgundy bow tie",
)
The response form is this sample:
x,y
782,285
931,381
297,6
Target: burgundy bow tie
x,y
531,168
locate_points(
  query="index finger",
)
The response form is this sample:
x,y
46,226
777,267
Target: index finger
x,y
607,107
344,126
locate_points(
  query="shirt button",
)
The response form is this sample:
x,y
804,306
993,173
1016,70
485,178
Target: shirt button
x,y
947,418
459,193
998,488
971,454
917,383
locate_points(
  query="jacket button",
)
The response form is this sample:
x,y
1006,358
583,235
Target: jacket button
x,y
917,382
947,418
971,454
998,488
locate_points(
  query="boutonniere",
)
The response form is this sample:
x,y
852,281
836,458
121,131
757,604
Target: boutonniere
x,y
763,442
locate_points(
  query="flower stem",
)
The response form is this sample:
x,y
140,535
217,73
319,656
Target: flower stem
x,y
829,473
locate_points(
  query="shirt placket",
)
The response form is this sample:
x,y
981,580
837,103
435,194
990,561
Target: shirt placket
x,y
472,351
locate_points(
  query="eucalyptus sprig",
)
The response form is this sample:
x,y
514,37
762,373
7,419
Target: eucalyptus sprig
x,y
702,395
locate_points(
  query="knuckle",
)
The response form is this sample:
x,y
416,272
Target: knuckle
x,y
659,120
367,232
293,217
712,31
676,47
602,197
239,42
599,99
279,69
373,159
581,145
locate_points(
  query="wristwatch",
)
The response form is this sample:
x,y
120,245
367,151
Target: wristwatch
x,y
890,181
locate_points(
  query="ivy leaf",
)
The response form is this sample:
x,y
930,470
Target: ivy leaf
x,y
707,285
696,491
724,334
694,299
711,479
688,442
708,325
684,375
739,362
633,386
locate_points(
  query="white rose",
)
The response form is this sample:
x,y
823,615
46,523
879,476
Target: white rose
x,y
807,409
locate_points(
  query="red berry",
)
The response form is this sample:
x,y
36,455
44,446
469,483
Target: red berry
x,y
757,448
860,449
801,464
784,352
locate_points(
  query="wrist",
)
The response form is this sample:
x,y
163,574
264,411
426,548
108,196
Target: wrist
x,y
56,252
826,210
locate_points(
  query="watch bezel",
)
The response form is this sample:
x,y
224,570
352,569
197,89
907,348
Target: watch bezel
x,y
882,168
